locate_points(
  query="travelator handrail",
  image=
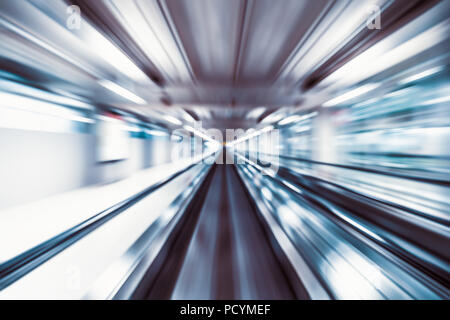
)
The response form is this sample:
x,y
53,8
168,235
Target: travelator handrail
x,y
438,272
18,266
432,180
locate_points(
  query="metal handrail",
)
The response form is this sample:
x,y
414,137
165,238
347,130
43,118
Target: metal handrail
x,y
20,265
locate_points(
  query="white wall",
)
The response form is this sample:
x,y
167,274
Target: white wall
x,y
159,150
35,164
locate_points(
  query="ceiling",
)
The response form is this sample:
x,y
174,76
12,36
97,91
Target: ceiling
x,y
236,60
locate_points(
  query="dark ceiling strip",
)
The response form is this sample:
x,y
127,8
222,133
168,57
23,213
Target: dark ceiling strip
x,y
394,17
145,17
192,114
241,37
166,15
293,55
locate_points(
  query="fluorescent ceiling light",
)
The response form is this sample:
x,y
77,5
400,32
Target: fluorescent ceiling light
x,y
197,132
422,75
398,93
437,100
255,113
115,57
121,91
156,133
377,59
200,134
351,94
154,38
250,135
173,120
303,129
305,116
289,120
274,117
336,29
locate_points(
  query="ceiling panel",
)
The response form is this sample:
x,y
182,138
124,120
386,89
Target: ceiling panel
x,y
209,31
272,34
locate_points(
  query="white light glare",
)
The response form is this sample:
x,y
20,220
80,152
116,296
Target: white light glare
x,y
200,134
351,94
437,100
130,128
115,57
21,112
422,74
289,120
173,120
250,135
375,59
274,117
296,118
255,113
156,133
121,91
